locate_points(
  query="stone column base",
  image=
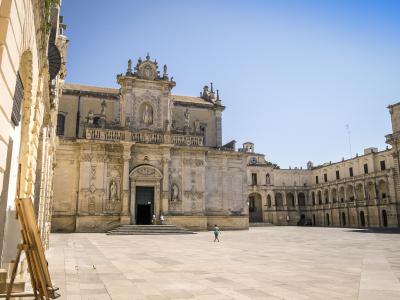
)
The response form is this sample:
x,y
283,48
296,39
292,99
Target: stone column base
x,y
125,220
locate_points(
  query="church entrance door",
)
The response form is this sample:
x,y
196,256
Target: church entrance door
x,y
144,205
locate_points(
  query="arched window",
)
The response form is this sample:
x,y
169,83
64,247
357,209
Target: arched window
x,y
290,199
302,199
267,179
60,124
326,196
313,198
269,200
319,194
278,200
384,218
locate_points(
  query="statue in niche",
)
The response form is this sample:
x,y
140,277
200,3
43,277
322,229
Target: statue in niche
x,y
147,116
90,117
187,118
113,191
174,193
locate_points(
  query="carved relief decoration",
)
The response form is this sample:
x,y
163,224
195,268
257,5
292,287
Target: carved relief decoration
x,y
146,172
192,162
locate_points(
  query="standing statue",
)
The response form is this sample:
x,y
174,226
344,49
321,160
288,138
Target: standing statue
x,y
174,193
147,117
113,191
187,118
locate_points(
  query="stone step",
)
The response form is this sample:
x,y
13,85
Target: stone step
x,y
260,224
148,230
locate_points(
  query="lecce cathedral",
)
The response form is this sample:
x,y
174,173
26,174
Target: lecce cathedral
x,y
140,153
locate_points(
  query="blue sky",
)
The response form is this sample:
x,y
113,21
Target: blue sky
x,y
291,74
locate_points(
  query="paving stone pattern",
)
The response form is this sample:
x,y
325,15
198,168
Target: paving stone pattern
x,y
262,263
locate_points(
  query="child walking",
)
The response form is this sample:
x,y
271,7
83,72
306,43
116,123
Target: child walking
x,y
216,233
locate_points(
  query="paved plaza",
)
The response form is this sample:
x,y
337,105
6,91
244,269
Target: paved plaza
x,y
262,263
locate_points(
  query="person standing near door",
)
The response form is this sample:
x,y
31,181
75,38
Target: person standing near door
x,y
153,220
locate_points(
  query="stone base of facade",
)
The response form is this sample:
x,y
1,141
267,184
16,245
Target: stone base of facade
x,y
105,223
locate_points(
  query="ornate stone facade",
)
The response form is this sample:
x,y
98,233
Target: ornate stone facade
x,y
128,154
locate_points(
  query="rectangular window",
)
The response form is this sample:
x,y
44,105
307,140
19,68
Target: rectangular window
x,y
337,175
326,177
365,168
17,101
60,124
254,179
383,165
316,179
351,171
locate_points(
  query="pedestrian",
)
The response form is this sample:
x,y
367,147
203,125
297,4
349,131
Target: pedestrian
x,y
153,220
162,220
216,233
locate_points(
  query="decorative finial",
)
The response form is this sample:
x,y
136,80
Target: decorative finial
x,y
139,60
217,95
211,84
129,71
147,56
165,72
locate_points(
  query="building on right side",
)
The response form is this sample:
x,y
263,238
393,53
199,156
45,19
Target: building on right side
x,y
363,191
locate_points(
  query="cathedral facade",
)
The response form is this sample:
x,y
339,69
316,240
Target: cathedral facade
x,y
134,154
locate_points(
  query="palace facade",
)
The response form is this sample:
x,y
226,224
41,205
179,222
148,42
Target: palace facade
x,y
127,154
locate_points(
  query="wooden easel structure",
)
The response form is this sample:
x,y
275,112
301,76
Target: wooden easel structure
x,y
34,252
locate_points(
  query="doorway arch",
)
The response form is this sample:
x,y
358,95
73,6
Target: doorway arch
x,y
362,219
343,219
255,208
384,218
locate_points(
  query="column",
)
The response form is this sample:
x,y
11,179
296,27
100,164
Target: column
x,y
165,181
125,217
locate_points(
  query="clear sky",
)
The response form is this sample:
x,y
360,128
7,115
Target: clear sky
x,y
291,74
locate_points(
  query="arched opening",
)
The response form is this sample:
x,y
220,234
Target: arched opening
x,y
267,179
384,218
255,208
328,223
382,189
334,196
60,124
341,194
290,199
319,196
326,196
278,200
301,197
343,219
362,219
360,192
269,202
350,193
313,198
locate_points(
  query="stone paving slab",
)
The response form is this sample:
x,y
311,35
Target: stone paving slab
x,y
262,263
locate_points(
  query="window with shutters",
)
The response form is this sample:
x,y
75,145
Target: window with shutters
x,y
17,101
60,124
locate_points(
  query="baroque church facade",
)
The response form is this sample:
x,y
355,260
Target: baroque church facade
x,y
128,154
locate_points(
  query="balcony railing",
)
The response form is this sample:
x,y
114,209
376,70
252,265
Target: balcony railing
x,y
145,137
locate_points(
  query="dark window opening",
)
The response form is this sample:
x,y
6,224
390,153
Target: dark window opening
x,y
316,179
254,179
337,175
17,101
326,177
60,124
365,168
383,165
351,171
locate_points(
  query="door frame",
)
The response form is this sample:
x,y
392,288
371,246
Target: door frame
x,y
145,176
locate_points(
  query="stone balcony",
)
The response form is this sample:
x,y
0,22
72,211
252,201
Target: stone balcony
x,y
144,137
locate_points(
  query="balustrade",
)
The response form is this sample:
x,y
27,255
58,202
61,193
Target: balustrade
x,y
145,137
